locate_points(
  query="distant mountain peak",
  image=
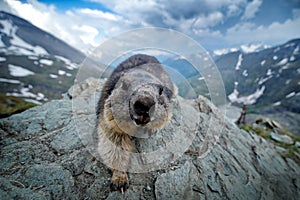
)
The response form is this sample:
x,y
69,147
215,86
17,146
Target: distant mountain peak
x,y
18,34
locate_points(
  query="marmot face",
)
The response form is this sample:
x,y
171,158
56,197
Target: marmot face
x,y
140,100
149,106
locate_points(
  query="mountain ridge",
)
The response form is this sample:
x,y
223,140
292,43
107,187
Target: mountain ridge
x,y
37,37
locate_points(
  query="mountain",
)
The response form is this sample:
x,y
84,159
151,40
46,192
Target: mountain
x,y
20,36
268,79
35,65
265,78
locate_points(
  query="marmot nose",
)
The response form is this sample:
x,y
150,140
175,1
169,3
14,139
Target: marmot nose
x,y
142,110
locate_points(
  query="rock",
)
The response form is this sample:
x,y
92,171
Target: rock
x,y
282,138
48,152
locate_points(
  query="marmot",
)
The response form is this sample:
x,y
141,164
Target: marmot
x,y
136,95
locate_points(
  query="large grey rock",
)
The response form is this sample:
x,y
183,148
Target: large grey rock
x,y
48,152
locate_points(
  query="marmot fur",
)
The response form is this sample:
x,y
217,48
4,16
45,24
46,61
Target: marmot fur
x,y
136,95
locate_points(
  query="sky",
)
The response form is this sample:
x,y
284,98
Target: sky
x,y
215,24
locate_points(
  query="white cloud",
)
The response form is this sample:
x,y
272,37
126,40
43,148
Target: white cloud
x,y
275,33
251,9
99,14
209,21
83,28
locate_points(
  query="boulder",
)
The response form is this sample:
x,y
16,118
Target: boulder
x,y
48,152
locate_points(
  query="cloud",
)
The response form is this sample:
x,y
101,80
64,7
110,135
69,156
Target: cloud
x,y
98,14
275,33
214,23
251,9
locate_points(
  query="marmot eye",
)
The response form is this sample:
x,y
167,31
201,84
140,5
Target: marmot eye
x,y
161,89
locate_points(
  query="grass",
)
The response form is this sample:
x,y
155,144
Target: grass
x,y
11,105
291,151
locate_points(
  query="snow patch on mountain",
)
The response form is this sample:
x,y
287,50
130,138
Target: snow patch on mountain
x,y
2,59
28,96
278,103
17,45
262,63
239,62
284,61
12,81
61,72
251,48
18,71
69,64
247,100
290,95
263,80
245,73
296,50
220,52
46,62
53,76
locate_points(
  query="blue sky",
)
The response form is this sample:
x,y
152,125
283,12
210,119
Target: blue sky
x,y
215,24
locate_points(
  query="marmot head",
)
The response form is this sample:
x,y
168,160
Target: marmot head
x,y
149,105
140,100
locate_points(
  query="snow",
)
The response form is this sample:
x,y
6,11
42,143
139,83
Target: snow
x,y
250,48
247,100
46,62
40,96
69,64
263,80
32,57
269,72
33,101
262,63
18,71
4,80
29,96
201,78
68,74
290,95
283,62
288,81
283,68
2,59
296,50
239,62
298,70
278,103
53,76
275,57
245,73
6,24
276,50
61,72
292,58
289,45
18,45
220,52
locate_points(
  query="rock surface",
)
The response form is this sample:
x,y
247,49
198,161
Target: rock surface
x,y
47,152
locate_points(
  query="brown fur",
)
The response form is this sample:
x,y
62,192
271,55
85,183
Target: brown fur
x,y
117,120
